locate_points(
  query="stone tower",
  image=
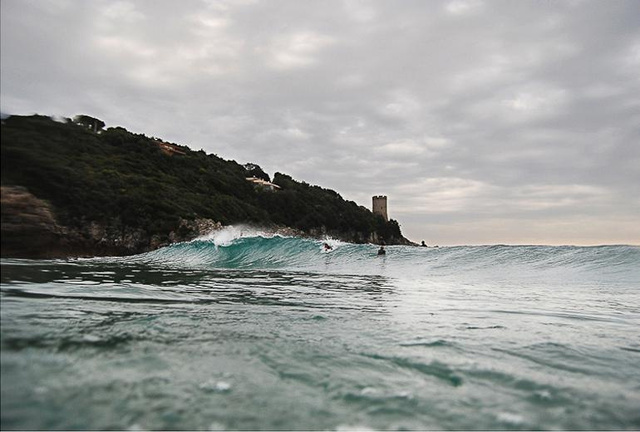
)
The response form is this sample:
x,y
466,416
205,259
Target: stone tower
x,y
380,206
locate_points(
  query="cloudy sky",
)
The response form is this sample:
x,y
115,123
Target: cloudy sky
x,y
483,121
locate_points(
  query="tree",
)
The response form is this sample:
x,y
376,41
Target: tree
x,y
254,170
89,122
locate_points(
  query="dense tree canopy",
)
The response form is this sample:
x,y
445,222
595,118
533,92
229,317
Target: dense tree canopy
x,y
124,179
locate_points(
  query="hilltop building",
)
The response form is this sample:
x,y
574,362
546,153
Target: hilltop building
x,y
380,206
263,184
169,149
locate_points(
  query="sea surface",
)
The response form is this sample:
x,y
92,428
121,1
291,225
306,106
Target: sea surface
x,y
240,330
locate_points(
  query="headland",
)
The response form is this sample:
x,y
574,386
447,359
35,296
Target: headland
x,y
71,188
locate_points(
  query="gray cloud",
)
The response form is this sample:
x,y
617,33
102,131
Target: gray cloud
x,y
484,121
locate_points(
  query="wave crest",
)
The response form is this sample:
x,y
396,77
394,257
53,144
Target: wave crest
x,y
243,247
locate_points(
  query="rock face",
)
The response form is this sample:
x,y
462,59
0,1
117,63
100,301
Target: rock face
x,y
30,230
356,237
28,226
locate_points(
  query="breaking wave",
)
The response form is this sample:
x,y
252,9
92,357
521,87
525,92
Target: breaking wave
x,y
237,248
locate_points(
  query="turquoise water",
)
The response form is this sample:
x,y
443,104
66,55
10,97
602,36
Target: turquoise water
x,y
242,331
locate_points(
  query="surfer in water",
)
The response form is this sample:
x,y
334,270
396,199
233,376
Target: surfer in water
x,y
327,247
381,251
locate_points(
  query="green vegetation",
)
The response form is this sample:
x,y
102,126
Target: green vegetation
x,y
126,180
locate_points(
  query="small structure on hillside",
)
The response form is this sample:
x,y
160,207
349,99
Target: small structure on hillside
x,y
91,123
263,184
168,148
380,206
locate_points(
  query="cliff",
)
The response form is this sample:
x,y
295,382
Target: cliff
x,y
29,229
68,190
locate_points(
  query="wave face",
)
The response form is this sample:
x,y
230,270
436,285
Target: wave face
x,y
235,248
243,330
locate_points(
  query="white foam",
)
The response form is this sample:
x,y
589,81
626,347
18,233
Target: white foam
x,y
229,234
217,426
510,418
215,386
353,427
335,244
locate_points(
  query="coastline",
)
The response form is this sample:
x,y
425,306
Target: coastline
x,y
30,229
72,192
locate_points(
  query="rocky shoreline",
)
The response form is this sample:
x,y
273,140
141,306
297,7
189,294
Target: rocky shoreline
x,y
29,229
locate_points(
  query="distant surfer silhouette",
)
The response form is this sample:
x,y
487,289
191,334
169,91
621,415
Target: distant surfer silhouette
x,y
381,251
423,244
327,247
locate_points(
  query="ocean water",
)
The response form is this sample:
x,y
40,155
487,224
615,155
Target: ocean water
x,y
248,331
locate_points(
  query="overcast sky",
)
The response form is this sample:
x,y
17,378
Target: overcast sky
x,y
483,121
